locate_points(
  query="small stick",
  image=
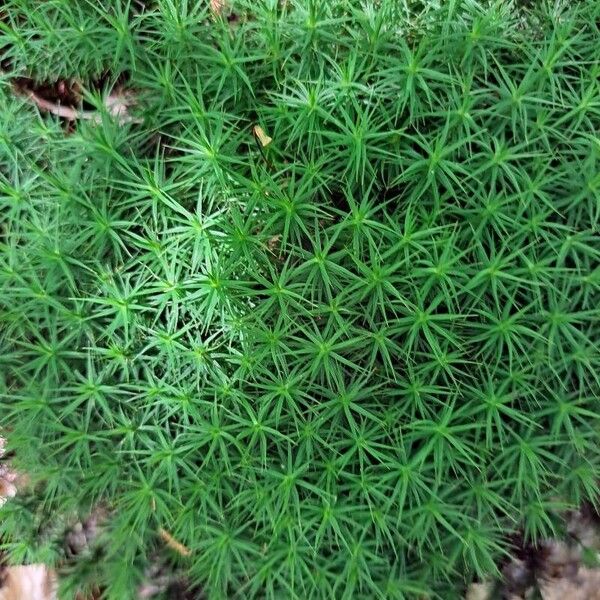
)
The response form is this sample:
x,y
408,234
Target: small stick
x,y
114,107
62,111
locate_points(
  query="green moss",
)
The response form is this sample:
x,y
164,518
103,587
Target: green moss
x,y
343,365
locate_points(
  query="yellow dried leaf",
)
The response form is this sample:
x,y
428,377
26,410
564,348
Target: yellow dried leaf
x,y
262,137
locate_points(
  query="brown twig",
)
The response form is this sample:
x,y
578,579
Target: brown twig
x,y
66,112
115,104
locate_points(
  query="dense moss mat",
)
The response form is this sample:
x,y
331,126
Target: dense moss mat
x,y
322,319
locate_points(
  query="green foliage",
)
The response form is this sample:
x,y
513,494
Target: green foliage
x,y
343,365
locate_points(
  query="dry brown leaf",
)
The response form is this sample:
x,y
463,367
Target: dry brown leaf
x,y
262,137
33,582
8,478
584,586
172,543
118,103
7,490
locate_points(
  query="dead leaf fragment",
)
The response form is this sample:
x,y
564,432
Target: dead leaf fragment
x,y
7,490
218,7
32,582
583,586
8,478
274,242
172,543
480,591
262,137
